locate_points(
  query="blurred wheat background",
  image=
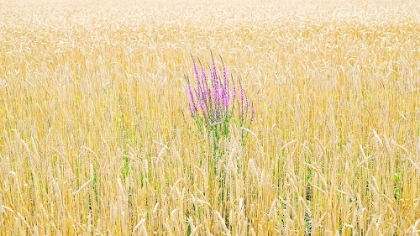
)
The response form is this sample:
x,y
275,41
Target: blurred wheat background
x,y
93,142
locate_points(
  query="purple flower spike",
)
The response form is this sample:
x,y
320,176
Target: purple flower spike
x,y
208,94
225,77
203,75
194,107
213,102
214,68
242,97
205,85
225,99
242,103
202,106
216,95
246,106
252,113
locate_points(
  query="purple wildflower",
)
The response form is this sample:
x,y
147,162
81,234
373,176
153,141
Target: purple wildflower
x,y
241,107
225,74
246,106
202,106
225,77
213,101
206,89
214,69
252,112
194,107
227,98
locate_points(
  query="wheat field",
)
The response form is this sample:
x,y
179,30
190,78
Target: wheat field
x,y
96,138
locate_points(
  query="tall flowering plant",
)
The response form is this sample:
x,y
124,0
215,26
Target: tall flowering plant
x,y
215,101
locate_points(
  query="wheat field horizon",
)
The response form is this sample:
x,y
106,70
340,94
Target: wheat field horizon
x,y
105,131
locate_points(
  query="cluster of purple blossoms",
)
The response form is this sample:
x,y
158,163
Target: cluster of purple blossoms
x,y
216,99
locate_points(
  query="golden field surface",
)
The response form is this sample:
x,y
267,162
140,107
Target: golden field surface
x,y
93,139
